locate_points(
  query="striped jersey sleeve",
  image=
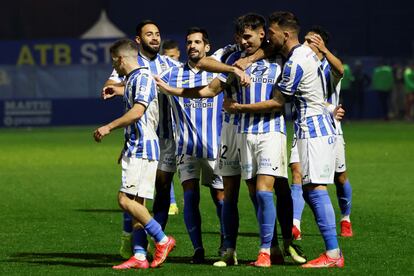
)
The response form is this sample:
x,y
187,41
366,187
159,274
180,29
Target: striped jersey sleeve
x,y
291,77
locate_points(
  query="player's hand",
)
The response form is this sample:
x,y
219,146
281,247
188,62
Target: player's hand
x,y
165,88
244,79
339,112
111,91
317,41
243,63
230,105
100,133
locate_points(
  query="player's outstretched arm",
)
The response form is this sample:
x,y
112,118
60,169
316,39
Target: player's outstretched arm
x,y
133,115
111,90
273,105
213,89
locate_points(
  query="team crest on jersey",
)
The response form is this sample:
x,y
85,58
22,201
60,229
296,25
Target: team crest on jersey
x,y
141,88
164,67
259,70
259,75
209,78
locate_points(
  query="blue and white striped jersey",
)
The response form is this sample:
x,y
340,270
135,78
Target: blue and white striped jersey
x,y
141,140
222,55
304,79
264,76
333,85
157,65
198,121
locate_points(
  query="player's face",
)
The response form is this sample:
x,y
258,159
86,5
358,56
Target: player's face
x,y
251,40
150,39
277,37
117,64
173,53
196,48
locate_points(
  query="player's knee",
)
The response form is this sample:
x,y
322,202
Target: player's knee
x,y
123,201
341,178
296,173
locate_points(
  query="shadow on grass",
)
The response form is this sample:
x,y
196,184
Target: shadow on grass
x,y
87,260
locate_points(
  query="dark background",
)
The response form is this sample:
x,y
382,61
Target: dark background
x,y
359,28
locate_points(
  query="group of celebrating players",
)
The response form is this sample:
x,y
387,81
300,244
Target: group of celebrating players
x,y
220,119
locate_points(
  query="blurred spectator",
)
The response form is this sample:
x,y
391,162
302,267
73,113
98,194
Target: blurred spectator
x,y
360,83
397,95
409,91
382,84
170,48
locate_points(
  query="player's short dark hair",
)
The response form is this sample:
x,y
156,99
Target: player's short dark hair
x,y
193,30
123,45
250,20
138,28
285,19
322,32
168,44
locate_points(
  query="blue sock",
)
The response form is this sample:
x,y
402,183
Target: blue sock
x,y
324,215
192,217
172,194
298,201
139,241
230,217
266,215
153,228
253,198
344,194
219,208
127,223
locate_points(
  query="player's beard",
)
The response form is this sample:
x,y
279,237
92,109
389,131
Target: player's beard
x,y
194,58
150,49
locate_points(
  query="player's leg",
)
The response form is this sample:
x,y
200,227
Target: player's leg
x,y
126,237
266,216
228,166
230,219
343,188
189,172
138,177
173,210
162,196
140,213
215,183
296,190
317,164
165,174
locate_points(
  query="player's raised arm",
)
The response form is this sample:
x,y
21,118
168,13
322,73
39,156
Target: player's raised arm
x,y
336,65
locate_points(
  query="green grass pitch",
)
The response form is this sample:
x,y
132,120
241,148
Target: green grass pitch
x,y
58,210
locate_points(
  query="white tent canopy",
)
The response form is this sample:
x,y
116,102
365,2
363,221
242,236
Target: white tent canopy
x,y
103,28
